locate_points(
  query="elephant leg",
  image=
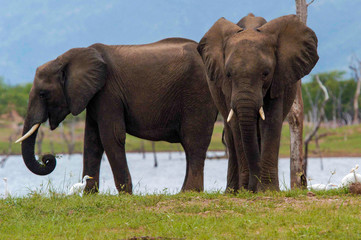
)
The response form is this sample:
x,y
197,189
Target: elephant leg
x,y
194,180
93,152
195,140
270,141
233,172
112,133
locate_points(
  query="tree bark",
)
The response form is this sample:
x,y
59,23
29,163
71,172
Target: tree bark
x,y
295,120
320,119
301,10
357,72
154,154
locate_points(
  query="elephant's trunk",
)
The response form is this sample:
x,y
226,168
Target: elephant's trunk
x,y
48,162
247,114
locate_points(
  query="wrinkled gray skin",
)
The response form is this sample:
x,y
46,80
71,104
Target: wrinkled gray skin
x,y
155,91
250,65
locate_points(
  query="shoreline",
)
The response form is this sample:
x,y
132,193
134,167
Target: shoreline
x,y
324,155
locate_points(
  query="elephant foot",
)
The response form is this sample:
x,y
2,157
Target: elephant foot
x,y
193,180
268,187
230,190
232,186
244,178
196,186
125,188
269,184
253,183
92,186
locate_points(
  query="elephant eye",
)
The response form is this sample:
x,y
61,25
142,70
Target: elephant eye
x,y
229,74
43,94
265,73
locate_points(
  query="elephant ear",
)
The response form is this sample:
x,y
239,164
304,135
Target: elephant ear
x,y
84,74
211,47
296,51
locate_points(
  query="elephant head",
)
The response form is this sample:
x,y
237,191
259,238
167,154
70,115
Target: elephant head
x,y
251,21
62,86
252,60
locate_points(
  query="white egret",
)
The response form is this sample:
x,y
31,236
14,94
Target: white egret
x,y
320,186
79,187
350,178
7,192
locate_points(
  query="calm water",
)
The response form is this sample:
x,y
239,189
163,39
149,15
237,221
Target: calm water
x,y
167,177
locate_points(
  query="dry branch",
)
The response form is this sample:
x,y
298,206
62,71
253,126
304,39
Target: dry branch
x,y
357,72
308,4
322,114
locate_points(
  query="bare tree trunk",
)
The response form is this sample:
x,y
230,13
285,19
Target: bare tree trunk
x,y
295,120
301,10
155,155
142,148
317,126
69,140
10,147
39,141
319,150
357,71
52,146
355,102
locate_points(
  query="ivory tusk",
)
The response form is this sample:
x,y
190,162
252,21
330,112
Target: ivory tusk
x,y
29,133
230,115
261,112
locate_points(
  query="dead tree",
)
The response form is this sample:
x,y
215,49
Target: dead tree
x,y
142,148
52,146
39,141
356,68
320,119
11,139
295,120
69,138
155,155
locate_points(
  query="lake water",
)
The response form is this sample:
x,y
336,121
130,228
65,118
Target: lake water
x,y
167,177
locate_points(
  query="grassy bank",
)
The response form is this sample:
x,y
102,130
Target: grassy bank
x,y
342,141
270,215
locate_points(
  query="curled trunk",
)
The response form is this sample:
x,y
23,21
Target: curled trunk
x,y
47,163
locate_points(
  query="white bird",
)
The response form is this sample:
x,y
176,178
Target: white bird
x,y
331,186
79,187
350,178
7,192
320,186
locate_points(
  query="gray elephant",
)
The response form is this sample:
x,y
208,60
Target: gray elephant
x,y
155,91
253,68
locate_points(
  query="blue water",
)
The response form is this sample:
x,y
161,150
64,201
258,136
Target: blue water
x,y
167,177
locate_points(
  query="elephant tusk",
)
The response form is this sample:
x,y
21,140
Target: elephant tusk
x,y
261,112
29,133
230,115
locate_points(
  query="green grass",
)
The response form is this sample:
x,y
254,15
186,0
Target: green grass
x,y
271,215
342,141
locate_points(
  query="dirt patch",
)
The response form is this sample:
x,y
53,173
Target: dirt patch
x,y
355,188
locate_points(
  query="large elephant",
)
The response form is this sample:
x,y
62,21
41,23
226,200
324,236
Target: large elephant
x,y
253,68
155,91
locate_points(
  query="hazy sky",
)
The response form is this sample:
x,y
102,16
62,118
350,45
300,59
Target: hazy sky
x,y
34,32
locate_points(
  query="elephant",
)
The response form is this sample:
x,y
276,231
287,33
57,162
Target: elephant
x,y
155,91
253,68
